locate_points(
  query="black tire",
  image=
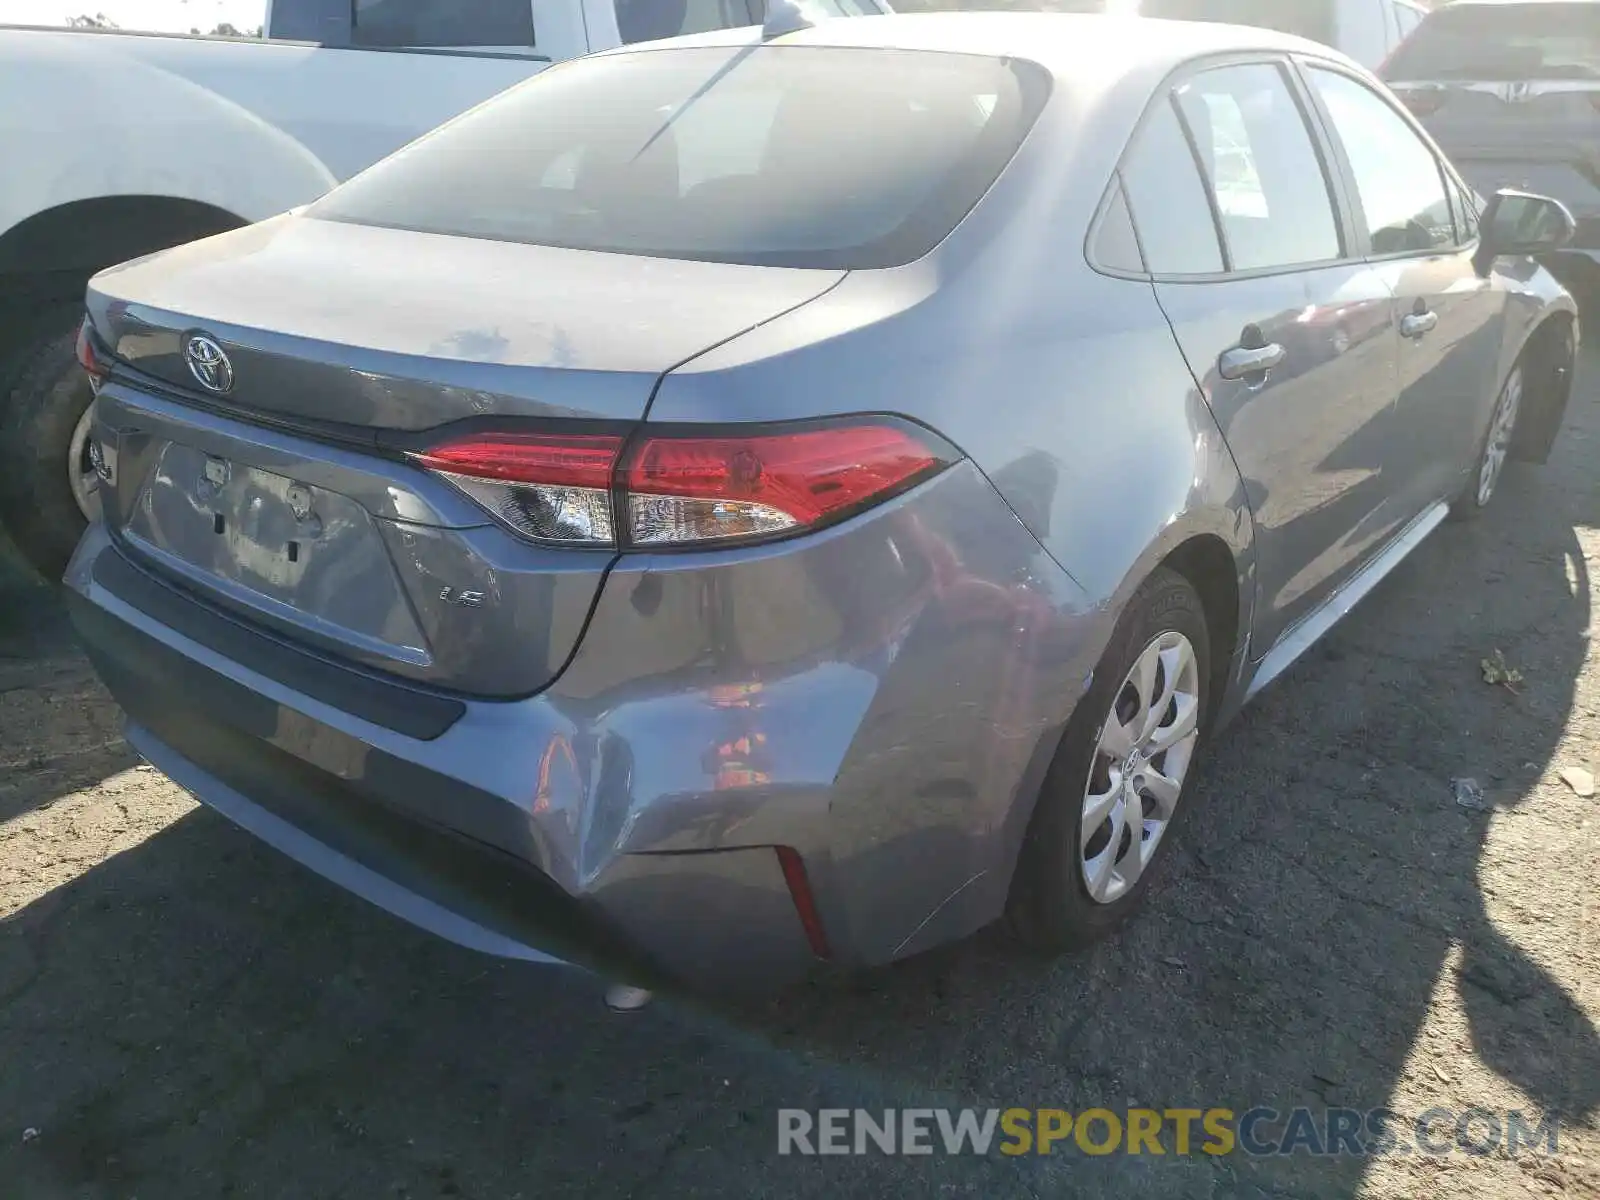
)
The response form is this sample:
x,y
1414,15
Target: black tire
x,y
1050,908
43,393
1580,275
1467,505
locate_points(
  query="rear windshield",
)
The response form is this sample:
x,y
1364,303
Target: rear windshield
x,y
1501,42
773,155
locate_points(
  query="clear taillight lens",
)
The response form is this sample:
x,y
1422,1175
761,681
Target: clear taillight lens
x,y
697,489
687,489
550,488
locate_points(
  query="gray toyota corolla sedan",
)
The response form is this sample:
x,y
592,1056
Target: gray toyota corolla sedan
x,y
747,502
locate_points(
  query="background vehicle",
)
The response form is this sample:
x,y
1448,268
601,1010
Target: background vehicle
x,y
119,144
1511,91
774,546
1366,30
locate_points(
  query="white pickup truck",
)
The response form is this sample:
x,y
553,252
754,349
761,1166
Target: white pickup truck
x,y
114,145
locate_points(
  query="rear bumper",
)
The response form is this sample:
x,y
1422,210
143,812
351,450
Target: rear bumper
x,y
421,845
628,818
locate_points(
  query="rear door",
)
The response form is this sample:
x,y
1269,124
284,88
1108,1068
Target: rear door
x,y
1511,92
1288,333
1420,237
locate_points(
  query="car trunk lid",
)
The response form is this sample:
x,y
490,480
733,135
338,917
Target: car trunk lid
x,y
286,498
382,329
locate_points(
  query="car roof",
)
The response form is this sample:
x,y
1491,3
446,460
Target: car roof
x,y
1078,45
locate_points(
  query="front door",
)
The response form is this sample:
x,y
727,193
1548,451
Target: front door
x,y
1421,235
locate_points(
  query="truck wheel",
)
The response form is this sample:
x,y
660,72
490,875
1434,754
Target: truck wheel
x,y
47,493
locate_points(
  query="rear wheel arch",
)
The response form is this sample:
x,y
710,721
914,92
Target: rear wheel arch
x,y
45,261
76,239
1048,905
1209,565
1207,562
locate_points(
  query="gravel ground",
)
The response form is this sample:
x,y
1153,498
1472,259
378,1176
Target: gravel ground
x,y
185,1014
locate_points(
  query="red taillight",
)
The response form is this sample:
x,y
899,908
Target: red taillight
x,y
87,358
552,488
692,489
686,489
1594,99
805,904
565,461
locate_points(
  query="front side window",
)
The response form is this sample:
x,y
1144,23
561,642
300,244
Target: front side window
x,y
427,23
1271,193
1398,180
804,156
1168,199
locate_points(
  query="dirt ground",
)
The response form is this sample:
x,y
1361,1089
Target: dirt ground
x,y
185,1014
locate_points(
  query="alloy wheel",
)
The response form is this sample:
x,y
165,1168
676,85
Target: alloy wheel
x,y
1502,426
82,477
1140,762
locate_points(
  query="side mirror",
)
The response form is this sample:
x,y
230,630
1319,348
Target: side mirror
x,y
1522,223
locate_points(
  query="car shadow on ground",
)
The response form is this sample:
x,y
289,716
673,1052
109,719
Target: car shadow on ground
x,y
1329,886
197,1017
57,732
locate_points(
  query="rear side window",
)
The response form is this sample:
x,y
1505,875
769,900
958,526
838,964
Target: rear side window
x,y
1547,39
1271,193
1398,180
803,156
1168,199
1115,245
442,23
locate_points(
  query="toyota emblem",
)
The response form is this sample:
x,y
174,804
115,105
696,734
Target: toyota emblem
x,y
208,363
299,498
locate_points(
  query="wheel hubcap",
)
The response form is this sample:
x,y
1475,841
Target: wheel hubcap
x,y
1501,427
1140,761
82,477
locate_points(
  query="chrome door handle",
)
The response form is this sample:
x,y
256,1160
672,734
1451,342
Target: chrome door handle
x,y
1417,324
1243,361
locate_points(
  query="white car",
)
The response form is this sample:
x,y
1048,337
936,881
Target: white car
x,y
1366,30
114,145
